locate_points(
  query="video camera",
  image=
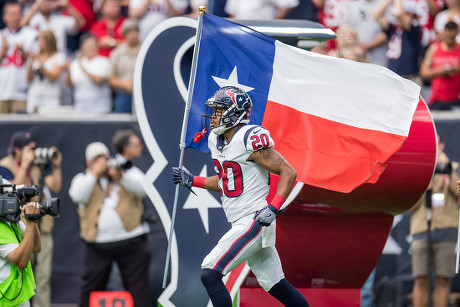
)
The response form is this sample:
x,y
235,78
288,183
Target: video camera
x,y
12,199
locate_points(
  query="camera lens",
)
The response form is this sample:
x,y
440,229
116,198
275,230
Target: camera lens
x,y
51,207
44,155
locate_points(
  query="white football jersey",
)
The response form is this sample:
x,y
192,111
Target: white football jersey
x,y
243,184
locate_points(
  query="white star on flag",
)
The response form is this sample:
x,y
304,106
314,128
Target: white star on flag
x,y
232,81
202,201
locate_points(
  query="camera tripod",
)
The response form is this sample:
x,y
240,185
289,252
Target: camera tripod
x,y
428,203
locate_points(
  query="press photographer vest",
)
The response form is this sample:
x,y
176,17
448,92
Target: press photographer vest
x,y
46,223
442,217
129,208
20,285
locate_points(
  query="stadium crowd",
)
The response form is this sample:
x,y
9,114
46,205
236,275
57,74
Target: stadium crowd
x,y
79,55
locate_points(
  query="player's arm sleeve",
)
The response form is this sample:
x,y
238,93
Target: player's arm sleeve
x,y
257,138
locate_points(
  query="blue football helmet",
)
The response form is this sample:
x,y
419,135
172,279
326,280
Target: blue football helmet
x,y
236,104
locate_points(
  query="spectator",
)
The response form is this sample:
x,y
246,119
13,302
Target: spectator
x,y
451,14
260,9
331,13
21,167
15,44
123,61
348,46
18,240
87,76
43,73
46,15
442,65
86,10
107,29
109,198
443,234
405,35
371,38
150,13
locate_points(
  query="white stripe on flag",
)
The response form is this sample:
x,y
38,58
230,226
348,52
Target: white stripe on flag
x,y
361,95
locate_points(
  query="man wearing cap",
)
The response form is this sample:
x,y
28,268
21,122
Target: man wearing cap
x,y
20,167
122,63
110,209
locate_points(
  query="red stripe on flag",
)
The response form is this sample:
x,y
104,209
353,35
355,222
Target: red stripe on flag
x,y
328,154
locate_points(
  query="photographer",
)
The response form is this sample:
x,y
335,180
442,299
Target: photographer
x,y
21,166
438,243
109,197
17,243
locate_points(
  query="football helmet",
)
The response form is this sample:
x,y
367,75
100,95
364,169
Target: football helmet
x,y
236,105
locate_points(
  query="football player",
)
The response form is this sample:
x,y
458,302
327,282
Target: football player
x,y
243,155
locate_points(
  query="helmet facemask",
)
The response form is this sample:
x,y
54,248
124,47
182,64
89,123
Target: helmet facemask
x,y
228,118
235,104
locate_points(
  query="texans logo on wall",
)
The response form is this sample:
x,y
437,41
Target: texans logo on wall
x,y
161,75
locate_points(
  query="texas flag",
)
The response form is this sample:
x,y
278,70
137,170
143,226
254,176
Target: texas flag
x,y
336,121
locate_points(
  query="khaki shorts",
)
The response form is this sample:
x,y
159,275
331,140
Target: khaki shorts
x,y
443,258
12,106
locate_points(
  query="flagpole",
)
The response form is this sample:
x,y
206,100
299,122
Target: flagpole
x,y
191,86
